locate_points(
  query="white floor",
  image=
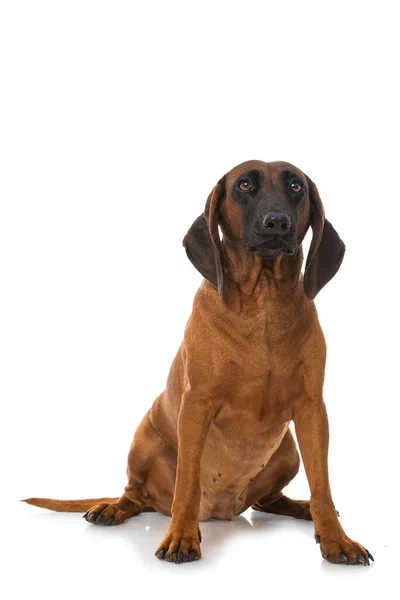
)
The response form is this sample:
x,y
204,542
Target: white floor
x,y
60,556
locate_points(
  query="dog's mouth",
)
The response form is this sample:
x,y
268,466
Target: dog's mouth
x,y
272,248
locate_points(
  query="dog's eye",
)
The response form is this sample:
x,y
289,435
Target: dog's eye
x,y
245,185
296,187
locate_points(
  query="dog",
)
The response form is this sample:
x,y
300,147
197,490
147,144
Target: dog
x,y
217,440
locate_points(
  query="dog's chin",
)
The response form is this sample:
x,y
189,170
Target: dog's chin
x,y
269,253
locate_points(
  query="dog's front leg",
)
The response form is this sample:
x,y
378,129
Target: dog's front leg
x,y
312,433
182,542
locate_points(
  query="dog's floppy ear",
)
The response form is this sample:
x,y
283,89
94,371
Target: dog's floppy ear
x,y
202,242
326,250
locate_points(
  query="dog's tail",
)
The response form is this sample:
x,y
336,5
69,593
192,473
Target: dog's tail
x,y
68,505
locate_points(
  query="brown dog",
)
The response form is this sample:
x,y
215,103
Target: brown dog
x,y
217,440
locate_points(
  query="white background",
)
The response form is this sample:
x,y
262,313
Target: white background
x,y
117,118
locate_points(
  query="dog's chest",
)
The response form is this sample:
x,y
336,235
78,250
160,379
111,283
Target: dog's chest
x,y
240,439
247,430
249,424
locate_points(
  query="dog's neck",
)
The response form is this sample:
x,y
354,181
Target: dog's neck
x,y
250,275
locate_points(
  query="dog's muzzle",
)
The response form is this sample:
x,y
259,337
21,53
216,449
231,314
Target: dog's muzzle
x,y
272,247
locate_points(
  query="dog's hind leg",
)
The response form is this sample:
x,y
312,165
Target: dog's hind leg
x,y
113,514
151,479
299,509
281,469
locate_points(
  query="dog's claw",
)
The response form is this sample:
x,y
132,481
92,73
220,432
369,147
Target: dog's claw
x,y
85,515
192,555
110,521
92,517
317,539
344,558
175,557
161,554
370,556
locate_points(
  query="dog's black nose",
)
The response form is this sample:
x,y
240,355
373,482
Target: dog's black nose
x,y
276,223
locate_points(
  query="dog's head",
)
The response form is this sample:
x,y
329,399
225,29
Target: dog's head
x,y
267,208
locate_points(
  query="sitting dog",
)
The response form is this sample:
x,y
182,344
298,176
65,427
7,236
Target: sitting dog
x,y
217,440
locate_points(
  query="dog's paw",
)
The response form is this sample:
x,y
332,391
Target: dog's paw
x,y
105,514
343,550
180,545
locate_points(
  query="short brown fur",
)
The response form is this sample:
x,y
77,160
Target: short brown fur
x,y
217,440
